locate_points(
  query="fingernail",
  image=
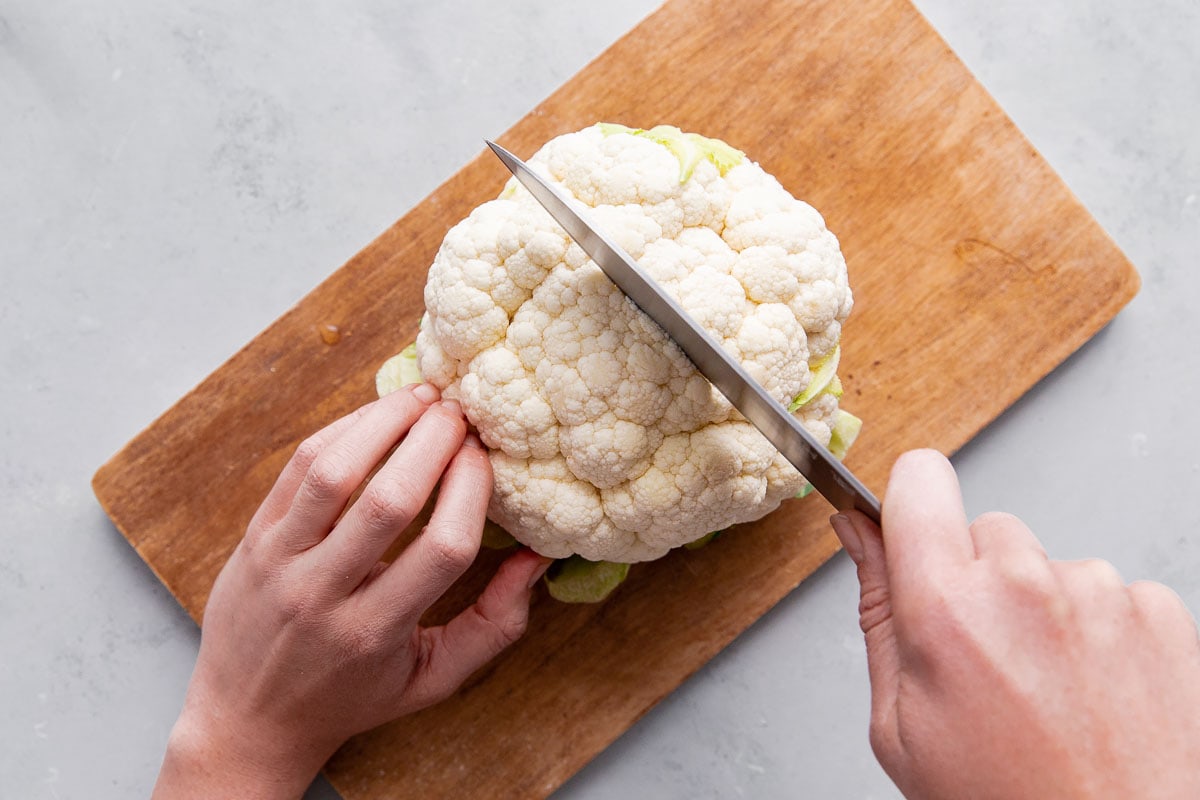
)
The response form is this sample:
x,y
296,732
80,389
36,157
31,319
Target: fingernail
x,y
539,572
426,393
473,441
848,534
452,406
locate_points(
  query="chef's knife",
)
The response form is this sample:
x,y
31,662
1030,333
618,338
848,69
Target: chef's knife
x,y
827,475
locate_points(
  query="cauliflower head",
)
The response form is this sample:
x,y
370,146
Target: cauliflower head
x,y
604,439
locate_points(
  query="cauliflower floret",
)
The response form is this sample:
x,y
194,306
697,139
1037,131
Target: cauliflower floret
x,y
604,439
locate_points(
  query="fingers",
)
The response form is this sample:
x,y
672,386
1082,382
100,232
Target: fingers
x,y
1087,599
1161,609
924,526
1097,591
477,635
448,544
1000,535
397,493
864,542
338,463
1089,582
279,499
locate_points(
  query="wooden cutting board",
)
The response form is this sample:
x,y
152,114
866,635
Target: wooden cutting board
x,y
975,273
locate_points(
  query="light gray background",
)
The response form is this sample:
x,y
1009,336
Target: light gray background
x,y
174,176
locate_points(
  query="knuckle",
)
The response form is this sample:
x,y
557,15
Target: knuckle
x,y
379,509
389,507
260,560
1152,592
451,550
1003,532
363,641
329,478
252,543
308,451
1161,609
296,604
1089,581
997,520
874,608
505,630
1028,578
1100,571
513,628
1157,600
255,551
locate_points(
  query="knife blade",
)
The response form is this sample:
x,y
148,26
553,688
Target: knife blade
x,y
828,476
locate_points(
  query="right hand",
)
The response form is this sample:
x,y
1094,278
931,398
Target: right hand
x,y
998,673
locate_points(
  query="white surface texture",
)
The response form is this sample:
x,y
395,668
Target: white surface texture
x,y
175,176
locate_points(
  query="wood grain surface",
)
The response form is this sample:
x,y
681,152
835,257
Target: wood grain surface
x,y
975,273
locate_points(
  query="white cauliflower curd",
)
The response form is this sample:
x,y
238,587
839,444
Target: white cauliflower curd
x,y
604,439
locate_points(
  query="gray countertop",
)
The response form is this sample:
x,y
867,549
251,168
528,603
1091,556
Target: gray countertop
x,y
175,176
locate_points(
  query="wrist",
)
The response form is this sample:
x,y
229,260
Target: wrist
x,y
209,757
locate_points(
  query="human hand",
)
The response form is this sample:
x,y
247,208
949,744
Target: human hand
x,y
308,637
998,673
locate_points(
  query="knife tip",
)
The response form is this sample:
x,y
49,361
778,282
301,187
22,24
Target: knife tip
x,y
507,158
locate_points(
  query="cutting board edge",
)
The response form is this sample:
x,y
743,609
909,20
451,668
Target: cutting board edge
x,y
982,87
104,501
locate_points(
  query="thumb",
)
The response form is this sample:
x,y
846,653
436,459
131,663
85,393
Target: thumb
x,y
864,543
480,633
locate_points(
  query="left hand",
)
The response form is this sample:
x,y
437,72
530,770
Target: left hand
x,y
309,637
